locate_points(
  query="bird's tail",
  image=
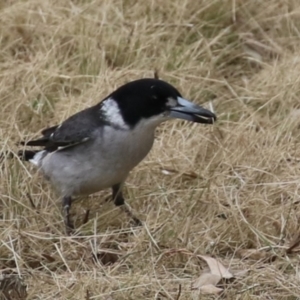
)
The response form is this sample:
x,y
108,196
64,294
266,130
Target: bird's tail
x,y
25,155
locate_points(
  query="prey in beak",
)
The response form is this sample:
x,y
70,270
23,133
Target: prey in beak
x,y
189,111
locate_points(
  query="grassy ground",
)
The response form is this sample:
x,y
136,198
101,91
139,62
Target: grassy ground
x,y
228,191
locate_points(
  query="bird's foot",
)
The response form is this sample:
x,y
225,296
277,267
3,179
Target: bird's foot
x,y
70,229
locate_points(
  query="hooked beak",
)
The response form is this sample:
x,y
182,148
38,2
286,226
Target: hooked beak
x,y
189,111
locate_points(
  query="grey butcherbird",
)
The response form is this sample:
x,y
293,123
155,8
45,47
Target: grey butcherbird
x,y
97,148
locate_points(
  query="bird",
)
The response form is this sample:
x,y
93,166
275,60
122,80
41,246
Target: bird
x,y
96,148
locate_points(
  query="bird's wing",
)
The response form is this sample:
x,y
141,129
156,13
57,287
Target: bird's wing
x,y
75,130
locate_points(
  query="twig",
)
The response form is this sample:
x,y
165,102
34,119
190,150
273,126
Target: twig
x,y
179,292
31,201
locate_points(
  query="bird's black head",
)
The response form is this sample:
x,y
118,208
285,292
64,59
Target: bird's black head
x,y
156,100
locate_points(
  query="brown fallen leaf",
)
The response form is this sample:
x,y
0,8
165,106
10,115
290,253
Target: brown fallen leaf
x,y
204,280
207,282
211,290
216,267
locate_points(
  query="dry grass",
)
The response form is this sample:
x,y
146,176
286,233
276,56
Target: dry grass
x,y
230,187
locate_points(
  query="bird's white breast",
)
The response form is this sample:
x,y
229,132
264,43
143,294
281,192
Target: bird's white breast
x,y
104,160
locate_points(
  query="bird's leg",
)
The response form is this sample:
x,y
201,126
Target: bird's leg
x,y
118,199
67,201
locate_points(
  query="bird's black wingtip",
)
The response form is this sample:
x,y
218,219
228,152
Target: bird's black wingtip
x,y
42,142
26,154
